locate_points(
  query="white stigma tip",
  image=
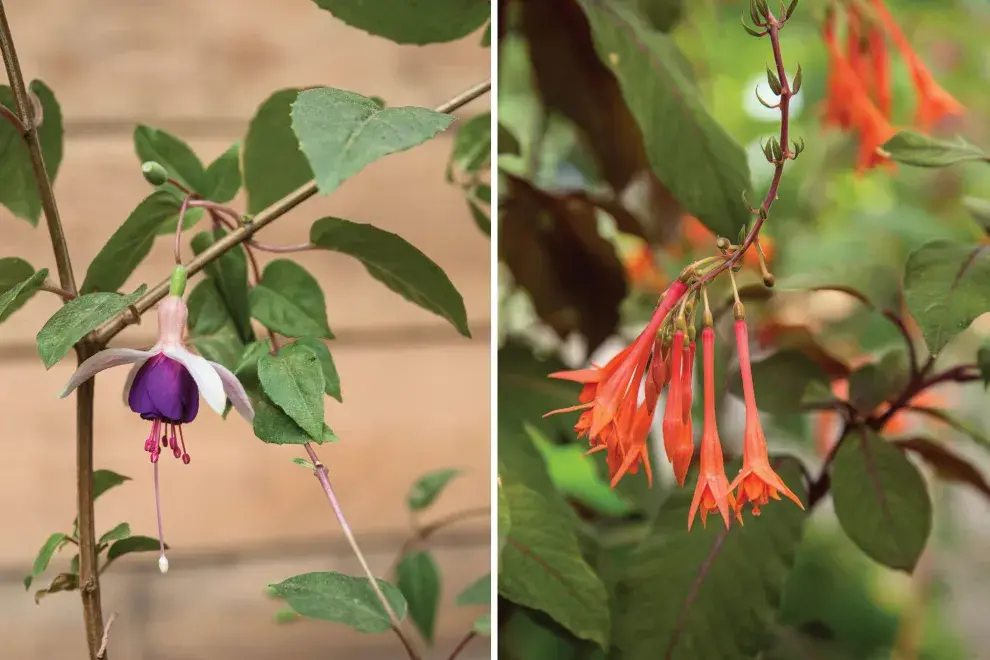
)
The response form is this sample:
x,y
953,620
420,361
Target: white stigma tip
x,y
163,564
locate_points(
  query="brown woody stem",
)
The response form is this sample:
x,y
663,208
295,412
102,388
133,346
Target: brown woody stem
x,y
29,119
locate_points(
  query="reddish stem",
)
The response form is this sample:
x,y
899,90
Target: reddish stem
x,y
238,221
773,31
178,230
463,644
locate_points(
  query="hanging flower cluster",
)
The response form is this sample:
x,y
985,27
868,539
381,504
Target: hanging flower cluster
x,y
165,384
616,421
859,96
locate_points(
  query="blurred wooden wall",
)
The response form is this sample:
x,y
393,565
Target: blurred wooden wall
x,y
241,515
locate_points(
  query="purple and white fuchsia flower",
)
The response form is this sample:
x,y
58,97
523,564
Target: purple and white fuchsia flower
x,y
165,384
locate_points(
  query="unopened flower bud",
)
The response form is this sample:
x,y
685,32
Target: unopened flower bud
x,y
154,173
163,563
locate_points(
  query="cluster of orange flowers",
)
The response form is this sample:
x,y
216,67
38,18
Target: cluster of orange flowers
x,y
859,96
617,422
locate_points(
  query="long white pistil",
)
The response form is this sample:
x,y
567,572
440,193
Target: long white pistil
x,y
162,560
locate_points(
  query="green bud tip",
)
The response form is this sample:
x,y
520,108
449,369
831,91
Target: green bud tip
x,y
177,286
154,173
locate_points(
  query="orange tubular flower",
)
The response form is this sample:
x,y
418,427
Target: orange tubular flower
x,y
712,492
611,418
934,103
756,481
683,448
673,415
851,107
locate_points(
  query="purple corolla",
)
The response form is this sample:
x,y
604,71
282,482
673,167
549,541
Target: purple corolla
x,y
164,387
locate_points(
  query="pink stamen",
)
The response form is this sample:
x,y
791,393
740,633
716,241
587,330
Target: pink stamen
x,y
185,455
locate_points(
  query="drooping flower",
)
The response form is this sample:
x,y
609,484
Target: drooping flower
x,y
611,416
850,107
712,492
934,103
164,387
673,415
683,448
757,482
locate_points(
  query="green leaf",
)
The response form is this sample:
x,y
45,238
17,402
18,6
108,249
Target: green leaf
x,y
709,593
948,466
331,378
130,244
293,380
342,599
481,219
15,295
418,578
975,434
424,22
173,154
273,164
118,533
874,383
472,145
273,426
478,592
503,523
428,488
913,148
483,625
290,301
946,287
133,544
18,191
211,330
784,381
342,132
223,176
691,154
61,582
881,500
253,352
104,480
13,271
304,463
542,566
395,263
980,210
53,544
486,38
229,274
76,319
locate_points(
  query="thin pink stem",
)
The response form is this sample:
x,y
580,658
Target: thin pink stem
x,y
322,474
463,644
12,117
235,220
178,229
53,288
